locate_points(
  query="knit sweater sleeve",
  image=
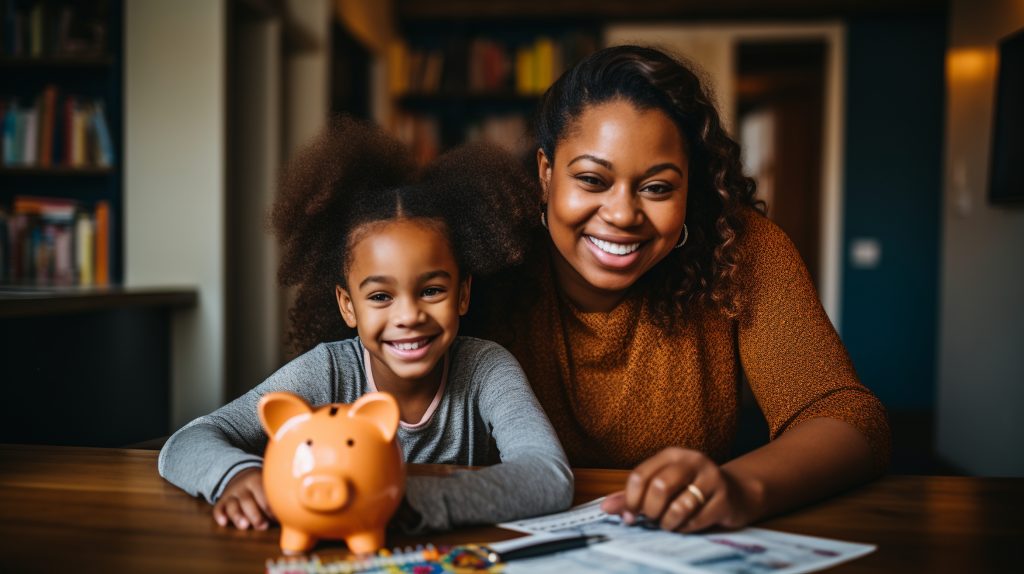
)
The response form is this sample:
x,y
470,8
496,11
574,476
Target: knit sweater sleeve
x,y
533,477
797,366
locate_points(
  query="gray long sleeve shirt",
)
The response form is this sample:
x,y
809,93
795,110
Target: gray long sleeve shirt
x,y
485,396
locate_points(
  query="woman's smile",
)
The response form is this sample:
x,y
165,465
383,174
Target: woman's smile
x,y
614,254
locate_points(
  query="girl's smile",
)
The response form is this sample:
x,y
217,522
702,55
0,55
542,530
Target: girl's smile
x,y
410,349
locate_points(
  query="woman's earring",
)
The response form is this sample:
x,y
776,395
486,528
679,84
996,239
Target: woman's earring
x,y
686,235
544,217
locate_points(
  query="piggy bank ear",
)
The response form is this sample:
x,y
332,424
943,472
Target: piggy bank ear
x,y
278,408
381,409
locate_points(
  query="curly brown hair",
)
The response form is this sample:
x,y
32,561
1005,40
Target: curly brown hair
x,y
704,270
354,174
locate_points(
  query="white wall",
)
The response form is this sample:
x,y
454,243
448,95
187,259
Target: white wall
x,y
174,180
254,307
981,343
712,47
307,75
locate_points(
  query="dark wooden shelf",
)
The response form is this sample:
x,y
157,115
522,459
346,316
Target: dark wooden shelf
x,y
57,171
56,61
25,301
469,97
510,10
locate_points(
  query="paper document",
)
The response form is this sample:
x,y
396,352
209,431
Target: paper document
x,y
645,550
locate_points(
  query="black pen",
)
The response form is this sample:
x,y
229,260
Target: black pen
x,y
545,546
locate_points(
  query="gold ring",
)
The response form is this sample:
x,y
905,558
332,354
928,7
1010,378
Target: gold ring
x,y
696,492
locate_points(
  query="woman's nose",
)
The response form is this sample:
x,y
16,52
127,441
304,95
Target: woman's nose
x,y
621,207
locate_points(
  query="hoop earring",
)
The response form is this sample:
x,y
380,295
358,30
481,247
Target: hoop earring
x,y
686,235
544,217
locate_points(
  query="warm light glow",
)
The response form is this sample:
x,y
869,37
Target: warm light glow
x,y
964,64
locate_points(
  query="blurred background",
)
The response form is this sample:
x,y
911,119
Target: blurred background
x,y
142,140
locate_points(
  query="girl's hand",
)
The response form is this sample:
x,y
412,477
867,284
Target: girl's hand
x,y
243,502
659,489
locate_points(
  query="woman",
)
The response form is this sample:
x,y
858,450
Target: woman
x,y
657,287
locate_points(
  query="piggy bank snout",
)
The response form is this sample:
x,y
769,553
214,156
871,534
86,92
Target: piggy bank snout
x,y
324,493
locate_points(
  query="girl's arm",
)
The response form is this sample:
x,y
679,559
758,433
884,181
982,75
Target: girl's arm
x,y
533,477
204,455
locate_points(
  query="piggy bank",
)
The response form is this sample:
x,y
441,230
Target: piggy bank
x,y
332,472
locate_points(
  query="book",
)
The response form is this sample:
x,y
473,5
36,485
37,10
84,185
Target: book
x,y
544,58
84,246
102,251
10,133
46,128
30,136
105,147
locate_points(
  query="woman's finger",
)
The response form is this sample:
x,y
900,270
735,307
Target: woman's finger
x,y
664,487
637,483
614,503
708,498
679,511
707,515
692,500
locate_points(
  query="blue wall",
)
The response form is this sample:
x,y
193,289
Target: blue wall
x,y
893,193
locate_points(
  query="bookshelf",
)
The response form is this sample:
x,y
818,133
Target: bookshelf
x,y
453,80
62,143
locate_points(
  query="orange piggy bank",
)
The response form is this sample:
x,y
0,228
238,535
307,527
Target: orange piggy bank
x,y
334,472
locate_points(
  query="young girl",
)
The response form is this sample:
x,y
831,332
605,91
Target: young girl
x,y
390,252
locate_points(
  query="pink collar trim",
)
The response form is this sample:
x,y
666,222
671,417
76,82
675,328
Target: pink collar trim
x,y
433,404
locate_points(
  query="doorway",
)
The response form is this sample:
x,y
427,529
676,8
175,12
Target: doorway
x,y
780,105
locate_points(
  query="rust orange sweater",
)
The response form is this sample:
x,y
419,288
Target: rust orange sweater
x,y
618,388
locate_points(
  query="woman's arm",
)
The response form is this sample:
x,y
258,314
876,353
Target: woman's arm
x,y
828,431
533,477
820,457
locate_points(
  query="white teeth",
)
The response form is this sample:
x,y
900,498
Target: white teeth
x,y
409,346
614,248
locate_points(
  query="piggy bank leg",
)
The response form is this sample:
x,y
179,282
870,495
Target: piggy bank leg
x,y
295,541
367,541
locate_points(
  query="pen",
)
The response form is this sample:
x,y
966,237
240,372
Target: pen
x,y
545,546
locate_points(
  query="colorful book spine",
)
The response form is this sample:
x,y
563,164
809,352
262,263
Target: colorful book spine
x,y
104,145
84,242
102,261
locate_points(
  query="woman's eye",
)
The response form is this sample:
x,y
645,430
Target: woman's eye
x,y
589,180
657,188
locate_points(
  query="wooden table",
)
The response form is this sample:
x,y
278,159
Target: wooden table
x,y
80,509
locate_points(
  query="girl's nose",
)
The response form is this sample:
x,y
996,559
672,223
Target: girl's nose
x,y
406,313
621,207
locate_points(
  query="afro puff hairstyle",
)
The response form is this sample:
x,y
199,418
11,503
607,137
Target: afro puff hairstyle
x,y
354,174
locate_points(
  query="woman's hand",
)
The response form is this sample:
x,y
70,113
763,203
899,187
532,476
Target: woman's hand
x,y
682,489
243,502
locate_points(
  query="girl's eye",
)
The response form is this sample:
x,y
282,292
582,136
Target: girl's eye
x,y
432,291
380,297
